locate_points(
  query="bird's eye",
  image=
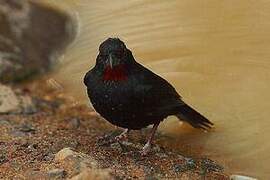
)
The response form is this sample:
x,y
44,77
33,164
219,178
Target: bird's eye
x,y
101,57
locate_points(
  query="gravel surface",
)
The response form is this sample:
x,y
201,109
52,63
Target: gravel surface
x,y
64,139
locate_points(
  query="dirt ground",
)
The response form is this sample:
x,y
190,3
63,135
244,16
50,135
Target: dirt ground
x,y
29,143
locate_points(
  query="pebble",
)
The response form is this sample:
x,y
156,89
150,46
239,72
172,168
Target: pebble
x,y
4,122
97,174
74,123
241,177
162,155
66,155
14,103
56,173
80,166
27,128
63,154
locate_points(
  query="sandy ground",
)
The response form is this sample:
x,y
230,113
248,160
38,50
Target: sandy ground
x,y
29,143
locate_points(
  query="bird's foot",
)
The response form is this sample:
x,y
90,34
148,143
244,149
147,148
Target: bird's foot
x,y
105,140
146,149
123,136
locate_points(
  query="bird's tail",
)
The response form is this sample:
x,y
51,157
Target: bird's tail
x,y
195,119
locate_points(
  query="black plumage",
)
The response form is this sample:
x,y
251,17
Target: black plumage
x,y
131,96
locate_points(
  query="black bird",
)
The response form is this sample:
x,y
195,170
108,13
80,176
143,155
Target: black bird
x,y
131,96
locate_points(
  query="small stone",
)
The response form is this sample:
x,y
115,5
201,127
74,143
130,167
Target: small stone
x,y
57,173
75,123
99,174
63,154
27,128
35,174
48,157
240,177
4,122
14,103
75,163
32,147
9,100
162,155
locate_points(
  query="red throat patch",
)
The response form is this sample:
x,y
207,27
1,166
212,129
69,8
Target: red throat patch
x,y
118,73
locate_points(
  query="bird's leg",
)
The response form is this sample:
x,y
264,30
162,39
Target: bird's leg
x,y
147,146
123,135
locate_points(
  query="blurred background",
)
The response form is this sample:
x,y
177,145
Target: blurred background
x,y
216,54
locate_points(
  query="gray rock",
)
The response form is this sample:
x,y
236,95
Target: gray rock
x,y
162,155
26,45
63,154
35,174
56,173
10,102
67,155
80,166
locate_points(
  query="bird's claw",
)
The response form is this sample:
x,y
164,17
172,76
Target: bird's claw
x,y
104,140
146,149
121,137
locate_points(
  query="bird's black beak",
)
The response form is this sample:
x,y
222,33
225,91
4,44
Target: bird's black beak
x,y
110,60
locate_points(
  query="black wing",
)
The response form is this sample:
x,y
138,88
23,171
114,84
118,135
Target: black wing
x,y
156,93
164,100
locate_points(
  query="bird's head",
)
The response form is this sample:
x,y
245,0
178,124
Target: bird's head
x,y
112,52
114,58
